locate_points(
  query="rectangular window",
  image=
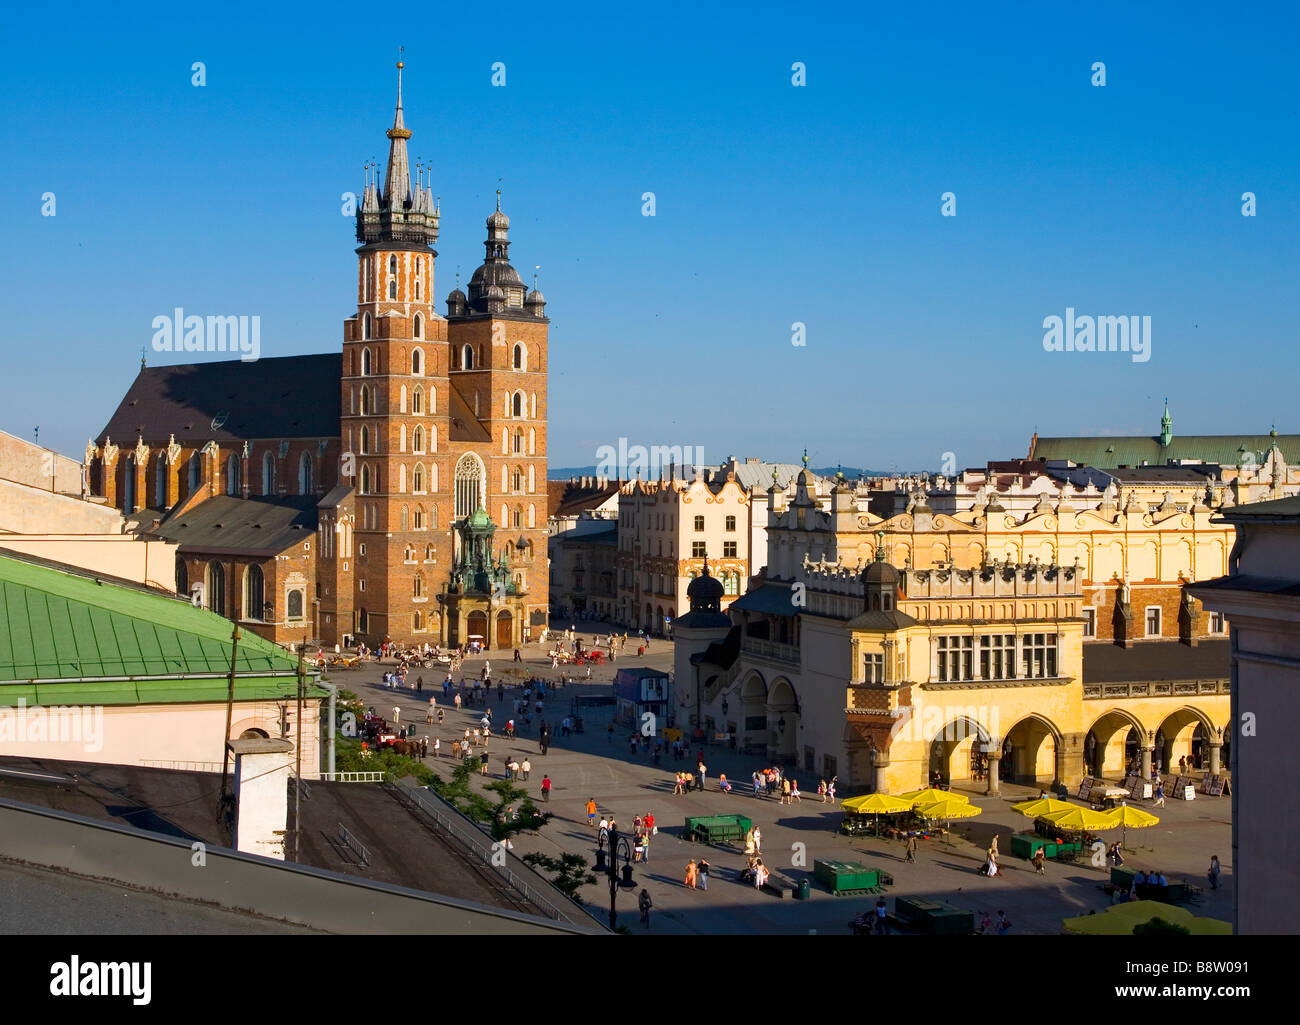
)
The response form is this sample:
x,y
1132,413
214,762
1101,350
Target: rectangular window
x,y
874,668
699,550
728,549
1038,656
731,523
1216,622
998,657
1153,620
955,654
1089,622
699,522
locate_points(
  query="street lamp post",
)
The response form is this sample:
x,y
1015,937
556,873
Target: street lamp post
x,y
618,845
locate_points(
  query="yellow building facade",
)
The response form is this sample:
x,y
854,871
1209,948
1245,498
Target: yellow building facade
x,y
885,675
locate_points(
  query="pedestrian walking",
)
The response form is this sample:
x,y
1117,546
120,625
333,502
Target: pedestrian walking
x,y
546,789
397,715
645,905
1004,924
591,812
525,767
692,874
702,874
910,846
1160,795
1040,861
1214,872
882,917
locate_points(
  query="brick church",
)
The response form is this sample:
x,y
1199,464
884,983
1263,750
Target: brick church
x,y
394,491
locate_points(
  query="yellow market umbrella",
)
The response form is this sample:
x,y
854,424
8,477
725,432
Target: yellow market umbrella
x,y
1041,806
1135,818
951,809
929,795
1081,819
875,804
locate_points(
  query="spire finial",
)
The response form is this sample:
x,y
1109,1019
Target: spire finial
x,y
142,363
880,546
401,52
498,195
805,457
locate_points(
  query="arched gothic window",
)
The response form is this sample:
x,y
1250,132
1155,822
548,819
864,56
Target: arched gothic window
x,y
470,484
305,482
254,592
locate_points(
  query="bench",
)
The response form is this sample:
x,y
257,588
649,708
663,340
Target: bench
x,y
779,886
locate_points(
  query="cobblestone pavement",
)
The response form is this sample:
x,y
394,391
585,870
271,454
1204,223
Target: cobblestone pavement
x,y
595,764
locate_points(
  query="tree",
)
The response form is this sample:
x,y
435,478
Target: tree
x,y
1159,927
570,871
349,757
502,818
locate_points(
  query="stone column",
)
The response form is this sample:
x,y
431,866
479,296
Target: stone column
x,y
1214,747
994,755
1059,772
879,767
1146,764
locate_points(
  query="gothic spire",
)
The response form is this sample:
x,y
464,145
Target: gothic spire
x,y
397,182
400,212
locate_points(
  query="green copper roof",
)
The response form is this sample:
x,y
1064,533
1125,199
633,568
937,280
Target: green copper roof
x,y
208,690
1224,449
56,625
480,519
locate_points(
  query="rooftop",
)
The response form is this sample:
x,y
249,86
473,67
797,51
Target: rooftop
x,y
61,625
246,525
227,400
405,847
1155,660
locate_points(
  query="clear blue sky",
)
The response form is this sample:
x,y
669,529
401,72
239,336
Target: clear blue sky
x,y
775,204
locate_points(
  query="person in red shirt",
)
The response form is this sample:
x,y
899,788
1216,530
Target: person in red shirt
x,y
546,788
648,823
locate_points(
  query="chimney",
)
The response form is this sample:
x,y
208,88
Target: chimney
x,y
261,794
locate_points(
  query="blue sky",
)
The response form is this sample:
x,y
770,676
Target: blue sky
x,y
774,205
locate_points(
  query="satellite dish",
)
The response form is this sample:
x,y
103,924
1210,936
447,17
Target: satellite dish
x,y
219,421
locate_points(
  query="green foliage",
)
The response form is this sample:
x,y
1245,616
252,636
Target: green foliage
x,y
1160,927
348,758
570,871
512,812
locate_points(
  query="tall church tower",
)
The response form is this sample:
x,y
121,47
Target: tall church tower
x,y
497,341
395,406
444,431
